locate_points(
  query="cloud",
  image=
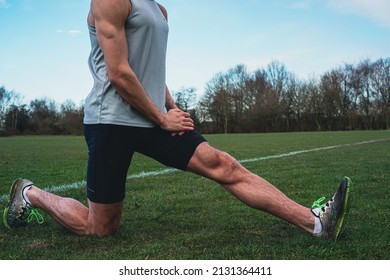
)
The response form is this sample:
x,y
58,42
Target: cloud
x,y
4,4
73,32
375,10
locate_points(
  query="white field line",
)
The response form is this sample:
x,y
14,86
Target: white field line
x,y
82,184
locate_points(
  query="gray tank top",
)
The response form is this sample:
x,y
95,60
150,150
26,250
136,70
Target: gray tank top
x,y
147,35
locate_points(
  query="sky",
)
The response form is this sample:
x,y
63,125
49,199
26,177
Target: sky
x,y
44,44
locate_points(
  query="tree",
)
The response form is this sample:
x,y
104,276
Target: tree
x,y
217,103
44,117
17,119
237,87
289,100
185,98
315,109
362,86
7,99
330,87
71,118
381,87
265,101
300,105
278,77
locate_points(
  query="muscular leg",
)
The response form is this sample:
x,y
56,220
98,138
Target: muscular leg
x,y
97,219
248,187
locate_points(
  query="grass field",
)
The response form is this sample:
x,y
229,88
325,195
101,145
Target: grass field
x,y
177,215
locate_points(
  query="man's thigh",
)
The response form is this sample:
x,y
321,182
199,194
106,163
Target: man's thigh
x,y
109,155
172,151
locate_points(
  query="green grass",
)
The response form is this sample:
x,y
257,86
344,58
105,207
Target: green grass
x,y
182,216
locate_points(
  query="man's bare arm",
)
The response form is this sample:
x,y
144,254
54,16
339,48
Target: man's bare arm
x,y
169,101
108,17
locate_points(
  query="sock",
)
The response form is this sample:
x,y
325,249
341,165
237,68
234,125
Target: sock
x,y
25,197
317,226
317,222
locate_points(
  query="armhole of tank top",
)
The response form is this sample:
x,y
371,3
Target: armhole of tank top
x,y
91,27
162,10
132,8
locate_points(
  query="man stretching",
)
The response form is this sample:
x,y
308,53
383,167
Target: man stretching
x,y
129,110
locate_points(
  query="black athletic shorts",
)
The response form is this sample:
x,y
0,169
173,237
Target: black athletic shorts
x,y
111,148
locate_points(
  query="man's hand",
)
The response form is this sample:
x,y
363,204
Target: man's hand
x,y
177,122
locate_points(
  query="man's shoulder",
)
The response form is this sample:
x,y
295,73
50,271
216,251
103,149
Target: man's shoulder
x,y
113,8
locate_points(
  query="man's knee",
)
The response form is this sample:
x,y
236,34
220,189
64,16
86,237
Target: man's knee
x,y
227,167
228,163
216,165
107,230
103,220
102,228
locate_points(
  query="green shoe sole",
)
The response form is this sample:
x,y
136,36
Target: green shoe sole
x,y
346,207
11,197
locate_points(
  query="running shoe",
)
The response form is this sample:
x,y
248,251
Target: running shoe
x,y
19,212
332,213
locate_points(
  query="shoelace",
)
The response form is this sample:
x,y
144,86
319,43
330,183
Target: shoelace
x,y
33,213
317,204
